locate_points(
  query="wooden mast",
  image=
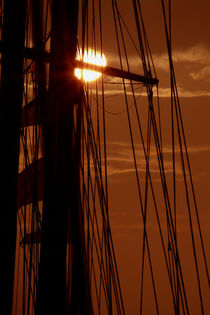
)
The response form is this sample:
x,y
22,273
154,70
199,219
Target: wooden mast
x,y
10,115
61,210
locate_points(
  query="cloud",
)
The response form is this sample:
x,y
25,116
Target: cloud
x,y
163,92
194,55
166,92
120,159
197,54
191,65
203,74
113,87
195,61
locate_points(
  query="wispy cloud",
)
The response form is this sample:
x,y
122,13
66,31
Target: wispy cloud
x,y
163,92
194,55
166,92
197,54
195,60
120,159
202,74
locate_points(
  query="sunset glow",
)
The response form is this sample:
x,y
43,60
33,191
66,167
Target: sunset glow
x,y
91,57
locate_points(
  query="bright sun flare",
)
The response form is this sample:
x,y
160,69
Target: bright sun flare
x,y
93,58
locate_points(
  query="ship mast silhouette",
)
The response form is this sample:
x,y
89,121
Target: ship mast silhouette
x,y
53,207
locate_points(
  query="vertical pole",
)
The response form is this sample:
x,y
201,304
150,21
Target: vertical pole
x,y
10,117
61,196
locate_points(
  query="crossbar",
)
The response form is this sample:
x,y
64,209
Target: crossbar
x,y
33,54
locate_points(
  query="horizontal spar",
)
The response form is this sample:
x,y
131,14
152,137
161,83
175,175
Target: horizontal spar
x,y
30,114
36,237
113,72
31,184
34,54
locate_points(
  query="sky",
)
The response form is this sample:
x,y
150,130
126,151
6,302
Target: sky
x,y
191,56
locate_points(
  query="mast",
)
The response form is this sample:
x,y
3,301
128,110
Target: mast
x,y
61,208
10,113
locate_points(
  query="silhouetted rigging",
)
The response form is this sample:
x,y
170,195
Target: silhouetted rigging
x,y
55,163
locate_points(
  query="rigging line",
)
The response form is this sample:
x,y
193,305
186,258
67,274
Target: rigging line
x,y
161,155
104,213
167,203
145,41
190,221
93,221
26,268
194,199
141,44
28,67
159,118
164,188
167,207
95,155
97,242
94,205
134,156
36,145
173,153
98,120
115,262
102,245
145,191
122,111
102,269
120,83
144,215
98,125
95,283
173,263
191,228
91,251
153,193
92,258
25,258
88,178
104,130
30,255
17,272
111,249
192,236
152,189
30,269
26,156
145,206
30,264
149,53
154,198
84,23
105,153
46,21
103,278
129,34
191,180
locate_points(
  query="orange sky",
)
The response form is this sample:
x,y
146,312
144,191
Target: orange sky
x,y
191,55
191,52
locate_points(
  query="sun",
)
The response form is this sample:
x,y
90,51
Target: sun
x,y
91,57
